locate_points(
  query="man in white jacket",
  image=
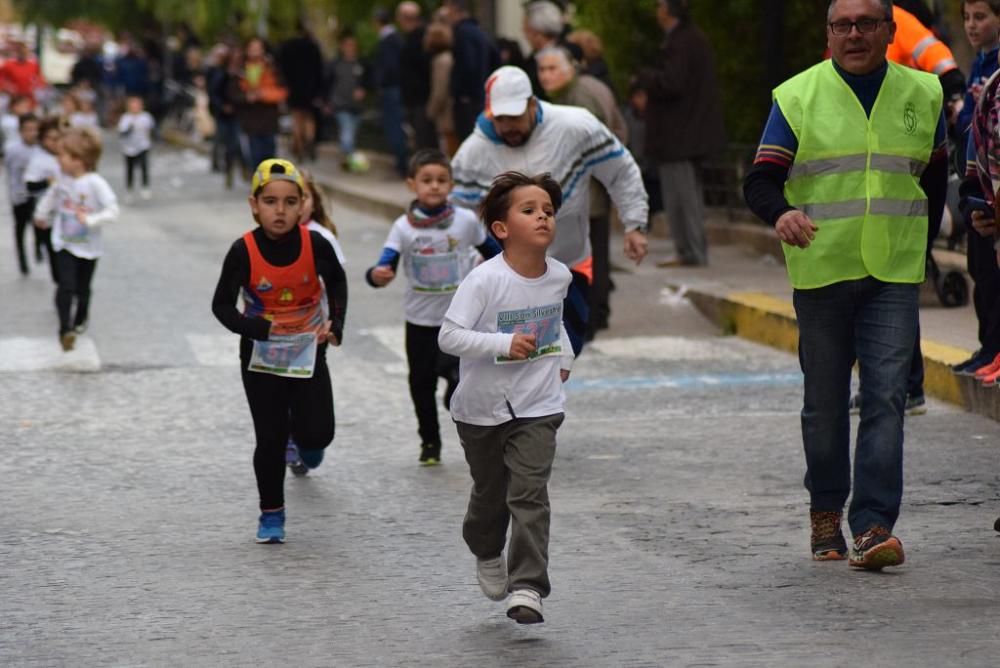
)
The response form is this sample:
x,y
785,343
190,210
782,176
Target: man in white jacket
x,y
521,133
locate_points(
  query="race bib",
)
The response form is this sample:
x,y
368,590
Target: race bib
x,y
70,228
439,272
288,355
543,321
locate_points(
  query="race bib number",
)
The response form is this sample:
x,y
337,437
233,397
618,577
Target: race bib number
x,y
435,273
288,355
70,228
543,321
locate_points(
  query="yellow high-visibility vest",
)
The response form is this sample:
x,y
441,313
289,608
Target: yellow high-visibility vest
x,y
858,177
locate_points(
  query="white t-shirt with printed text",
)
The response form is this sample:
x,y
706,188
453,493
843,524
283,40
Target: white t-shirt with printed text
x,y
435,262
494,298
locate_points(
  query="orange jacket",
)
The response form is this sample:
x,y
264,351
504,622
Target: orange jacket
x,y
916,46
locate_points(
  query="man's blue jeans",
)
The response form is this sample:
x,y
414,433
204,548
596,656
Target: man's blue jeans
x,y
347,126
874,323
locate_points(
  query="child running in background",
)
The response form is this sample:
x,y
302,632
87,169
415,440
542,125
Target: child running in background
x,y
135,128
434,240
41,172
296,297
17,154
75,209
505,323
315,219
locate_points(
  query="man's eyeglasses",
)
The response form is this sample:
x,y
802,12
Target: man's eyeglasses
x,y
864,26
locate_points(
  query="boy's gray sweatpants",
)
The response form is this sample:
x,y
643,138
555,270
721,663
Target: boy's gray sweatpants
x,y
510,465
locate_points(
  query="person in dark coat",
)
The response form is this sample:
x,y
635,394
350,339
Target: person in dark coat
x,y
475,58
388,85
684,126
415,74
300,62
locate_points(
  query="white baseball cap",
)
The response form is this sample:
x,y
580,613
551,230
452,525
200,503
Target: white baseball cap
x,y
507,92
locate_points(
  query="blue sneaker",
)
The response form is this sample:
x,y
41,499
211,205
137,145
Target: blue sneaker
x,y
311,458
271,528
293,459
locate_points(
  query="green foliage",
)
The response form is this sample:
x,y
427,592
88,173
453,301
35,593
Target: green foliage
x,y
736,29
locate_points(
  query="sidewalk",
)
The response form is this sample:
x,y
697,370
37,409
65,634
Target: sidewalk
x,y
745,290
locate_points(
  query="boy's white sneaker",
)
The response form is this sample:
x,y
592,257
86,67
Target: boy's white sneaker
x,y
525,607
492,576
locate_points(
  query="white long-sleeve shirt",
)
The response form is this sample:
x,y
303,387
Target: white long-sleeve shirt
x,y
88,193
571,144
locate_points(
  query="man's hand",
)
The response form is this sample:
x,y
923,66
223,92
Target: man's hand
x,y
326,335
521,346
636,245
382,275
795,229
41,224
564,374
983,224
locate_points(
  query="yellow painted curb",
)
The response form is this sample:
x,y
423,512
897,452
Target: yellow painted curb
x,y
771,321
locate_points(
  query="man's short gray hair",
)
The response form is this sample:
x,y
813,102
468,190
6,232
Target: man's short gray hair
x,y
886,9
544,17
559,51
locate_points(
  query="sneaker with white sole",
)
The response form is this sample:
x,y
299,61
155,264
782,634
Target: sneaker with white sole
x,y
525,607
492,576
271,527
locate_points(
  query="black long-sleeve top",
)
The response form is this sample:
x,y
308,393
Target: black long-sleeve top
x,y
280,253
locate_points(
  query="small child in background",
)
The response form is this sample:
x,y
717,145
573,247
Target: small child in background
x,y
135,128
315,219
505,323
17,154
433,239
10,119
85,116
76,208
43,171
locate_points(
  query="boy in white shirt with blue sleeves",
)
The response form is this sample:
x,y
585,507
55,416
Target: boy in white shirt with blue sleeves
x,y
505,324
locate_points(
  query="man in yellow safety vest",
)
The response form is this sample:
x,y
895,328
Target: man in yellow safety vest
x,y
851,168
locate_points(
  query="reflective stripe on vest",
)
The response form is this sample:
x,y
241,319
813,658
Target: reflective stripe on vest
x,y
857,177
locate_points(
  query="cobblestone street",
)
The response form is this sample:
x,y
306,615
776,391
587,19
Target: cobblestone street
x,y
680,525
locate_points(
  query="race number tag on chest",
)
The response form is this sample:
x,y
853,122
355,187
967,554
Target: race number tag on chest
x,y
288,355
543,321
438,272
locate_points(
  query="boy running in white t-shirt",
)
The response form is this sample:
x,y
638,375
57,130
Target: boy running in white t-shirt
x,y
505,323
434,242
75,209
18,152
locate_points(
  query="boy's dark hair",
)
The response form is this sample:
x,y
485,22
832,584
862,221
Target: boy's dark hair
x,y
427,156
49,124
994,5
26,118
497,201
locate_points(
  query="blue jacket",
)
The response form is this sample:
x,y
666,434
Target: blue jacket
x,y
983,67
475,59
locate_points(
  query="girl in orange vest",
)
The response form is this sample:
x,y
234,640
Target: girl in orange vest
x,y
295,296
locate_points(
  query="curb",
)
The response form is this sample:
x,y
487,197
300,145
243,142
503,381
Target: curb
x,y
771,321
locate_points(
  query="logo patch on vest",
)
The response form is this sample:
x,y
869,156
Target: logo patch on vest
x,y
286,296
263,285
910,118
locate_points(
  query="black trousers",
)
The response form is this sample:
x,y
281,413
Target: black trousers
x,y
75,275
600,289
142,162
22,221
427,363
982,263
283,407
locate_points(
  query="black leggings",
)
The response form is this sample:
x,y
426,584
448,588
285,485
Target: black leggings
x,y
283,407
427,363
22,221
142,162
75,275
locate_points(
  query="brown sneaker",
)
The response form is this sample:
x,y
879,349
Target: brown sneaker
x,y
875,549
827,540
67,340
